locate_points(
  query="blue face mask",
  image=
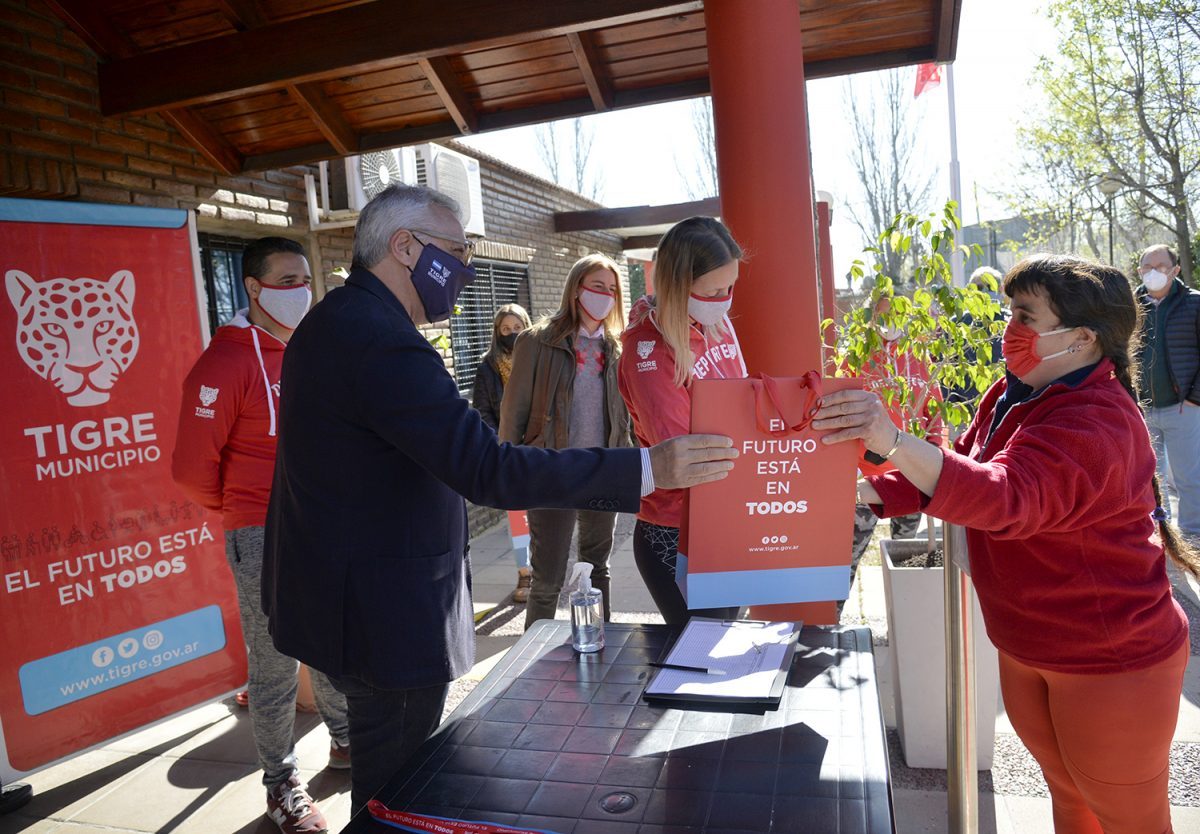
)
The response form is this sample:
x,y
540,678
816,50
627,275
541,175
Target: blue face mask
x,y
439,277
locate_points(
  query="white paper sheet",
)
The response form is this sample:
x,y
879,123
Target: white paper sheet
x,y
750,654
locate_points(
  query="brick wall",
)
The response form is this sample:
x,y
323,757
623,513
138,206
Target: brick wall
x,y
58,145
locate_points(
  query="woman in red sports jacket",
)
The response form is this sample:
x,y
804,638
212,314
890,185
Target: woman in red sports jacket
x,y
680,334
1054,481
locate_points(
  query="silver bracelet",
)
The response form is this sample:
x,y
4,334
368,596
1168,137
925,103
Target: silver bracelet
x,y
888,454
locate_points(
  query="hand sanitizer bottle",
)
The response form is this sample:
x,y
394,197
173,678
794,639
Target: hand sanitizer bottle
x,y
587,611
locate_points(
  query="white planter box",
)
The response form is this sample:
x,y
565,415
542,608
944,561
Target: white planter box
x,y
917,641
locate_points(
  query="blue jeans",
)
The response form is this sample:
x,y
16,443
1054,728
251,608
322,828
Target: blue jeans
x,y
1175,435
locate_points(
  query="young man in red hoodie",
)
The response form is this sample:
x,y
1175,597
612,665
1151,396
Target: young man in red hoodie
x,y
225,460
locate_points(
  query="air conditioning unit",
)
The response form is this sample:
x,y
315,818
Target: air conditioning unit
x,y
455,175
346,186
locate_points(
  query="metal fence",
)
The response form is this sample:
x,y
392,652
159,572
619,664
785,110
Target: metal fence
x,y
496,283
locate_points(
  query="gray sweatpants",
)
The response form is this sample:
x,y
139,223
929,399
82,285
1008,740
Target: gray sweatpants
x,y
274,676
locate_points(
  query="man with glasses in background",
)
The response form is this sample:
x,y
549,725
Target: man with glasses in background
x,y
376,453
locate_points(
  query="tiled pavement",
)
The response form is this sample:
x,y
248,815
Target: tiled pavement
x,y
196,773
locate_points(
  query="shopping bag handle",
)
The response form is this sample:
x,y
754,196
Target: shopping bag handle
x,y
766,392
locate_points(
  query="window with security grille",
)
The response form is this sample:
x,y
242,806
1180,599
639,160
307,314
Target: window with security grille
x,y
221,264
496,283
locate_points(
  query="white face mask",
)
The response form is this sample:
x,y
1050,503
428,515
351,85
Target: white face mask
x,y
596,304
708,311
285,305
1155,281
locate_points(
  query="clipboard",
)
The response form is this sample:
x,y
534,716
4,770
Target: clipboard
x,y
749,661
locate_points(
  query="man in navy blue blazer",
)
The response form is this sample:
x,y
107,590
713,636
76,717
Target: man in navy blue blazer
x,y
365,572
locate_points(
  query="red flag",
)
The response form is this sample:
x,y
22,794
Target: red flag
x,y
928,77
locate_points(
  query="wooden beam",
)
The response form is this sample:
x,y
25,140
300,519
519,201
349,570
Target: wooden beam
x,y
640,242
945,30
445,83
629,217
592,67
204,139
326,116
869,62
242,14
347,40
87,19
549,112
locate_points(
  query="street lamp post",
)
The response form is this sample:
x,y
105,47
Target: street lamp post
x,y
1109,185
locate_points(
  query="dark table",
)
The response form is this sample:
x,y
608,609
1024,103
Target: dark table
x,y
550,738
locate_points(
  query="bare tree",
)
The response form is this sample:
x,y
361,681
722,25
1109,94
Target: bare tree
x,y
566,155
585,184
894,176
547,146
701,181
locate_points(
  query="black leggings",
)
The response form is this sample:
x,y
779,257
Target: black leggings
x,y
654,550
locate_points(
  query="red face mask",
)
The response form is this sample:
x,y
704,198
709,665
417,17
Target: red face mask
x,y
1020,347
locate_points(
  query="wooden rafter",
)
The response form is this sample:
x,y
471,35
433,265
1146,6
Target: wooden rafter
x,y
88,20
204,139
326,116
945,32
368,36
631,217
499,120
242,14
592,67
862,63
441,75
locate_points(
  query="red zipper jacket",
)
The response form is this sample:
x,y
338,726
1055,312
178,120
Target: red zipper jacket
x,y
1067,562
660,409
224,455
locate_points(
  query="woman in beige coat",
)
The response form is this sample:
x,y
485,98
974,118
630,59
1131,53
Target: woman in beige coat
x,y
562,393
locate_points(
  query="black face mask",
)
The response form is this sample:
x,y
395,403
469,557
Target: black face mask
x,y
439,277
507,342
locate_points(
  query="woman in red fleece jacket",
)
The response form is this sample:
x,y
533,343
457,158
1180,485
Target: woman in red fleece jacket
x,y
680,334
1054,481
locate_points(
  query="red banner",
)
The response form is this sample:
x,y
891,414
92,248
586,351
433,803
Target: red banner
x,y
119,609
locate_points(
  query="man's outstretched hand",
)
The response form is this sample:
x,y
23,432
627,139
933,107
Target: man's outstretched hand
x,y
691,459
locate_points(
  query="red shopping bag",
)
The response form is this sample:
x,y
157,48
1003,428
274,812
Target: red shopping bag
x,y
778,529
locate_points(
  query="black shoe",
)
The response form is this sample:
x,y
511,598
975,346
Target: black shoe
x,y
14,796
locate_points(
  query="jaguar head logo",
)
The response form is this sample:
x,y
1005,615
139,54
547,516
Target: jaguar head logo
x,y
208,396
644,349
78,333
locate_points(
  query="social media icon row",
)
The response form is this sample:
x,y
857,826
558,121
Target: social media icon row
x,y
127,648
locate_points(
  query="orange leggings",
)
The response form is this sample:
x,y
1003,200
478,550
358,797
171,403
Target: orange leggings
x,y
1103,741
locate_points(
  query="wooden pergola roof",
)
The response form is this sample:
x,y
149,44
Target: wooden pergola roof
x,y
259,84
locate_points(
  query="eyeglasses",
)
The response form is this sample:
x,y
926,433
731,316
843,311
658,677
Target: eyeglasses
x,y
468,246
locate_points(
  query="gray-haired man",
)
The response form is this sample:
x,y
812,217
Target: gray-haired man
x,y
376,453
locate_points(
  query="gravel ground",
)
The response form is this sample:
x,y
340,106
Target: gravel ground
x,y
1014,771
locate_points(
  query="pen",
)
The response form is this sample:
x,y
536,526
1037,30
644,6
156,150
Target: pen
x,y
680,667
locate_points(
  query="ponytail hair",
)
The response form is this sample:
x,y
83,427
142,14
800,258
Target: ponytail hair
x,y
1098,297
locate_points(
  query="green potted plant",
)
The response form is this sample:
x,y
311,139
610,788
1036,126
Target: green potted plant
x,y
929,375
